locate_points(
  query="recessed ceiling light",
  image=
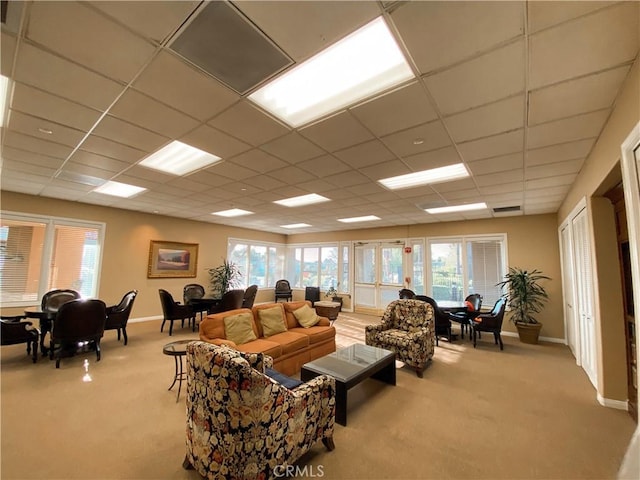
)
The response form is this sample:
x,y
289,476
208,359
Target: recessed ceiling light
x,y
457,208
366,218
302,200
4,85
234,212
118,189
360,65
179,158
296,225
425,177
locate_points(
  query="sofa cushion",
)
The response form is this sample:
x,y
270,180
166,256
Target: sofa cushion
x,y
239,328
306,316
290,341
272,321
316,334
289,308
273,349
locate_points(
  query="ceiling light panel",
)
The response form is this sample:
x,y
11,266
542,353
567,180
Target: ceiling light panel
x,y
178,158
366,218
362,64
302,200
234,212
118,189
4,84
457,208
426,177
296,225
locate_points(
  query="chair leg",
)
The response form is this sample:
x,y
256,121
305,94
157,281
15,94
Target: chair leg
x,y
118,334
328,442
124,334
500,341
35,351
170,327
437,339
162,326
186,464
474,336
98,350
419,371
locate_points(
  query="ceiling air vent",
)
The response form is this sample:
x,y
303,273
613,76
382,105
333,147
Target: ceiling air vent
x,y
222,42
514,208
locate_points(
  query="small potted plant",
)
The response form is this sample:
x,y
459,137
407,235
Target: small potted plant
x,y
333,294
525,297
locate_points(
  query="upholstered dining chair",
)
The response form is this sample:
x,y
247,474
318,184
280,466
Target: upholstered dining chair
x,y
231,300
173,311
249,296
490,322
77,322
283,290
441,318
312,294
473,304
15,330
406,328
53,299
195,291
406,293
243,424
118,315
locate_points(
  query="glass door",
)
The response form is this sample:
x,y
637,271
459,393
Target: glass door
x,y
378,275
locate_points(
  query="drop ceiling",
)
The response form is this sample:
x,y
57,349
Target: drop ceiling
x,y
517,91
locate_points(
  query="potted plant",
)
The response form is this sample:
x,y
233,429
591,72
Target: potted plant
x,y
525,297
333,294
224,277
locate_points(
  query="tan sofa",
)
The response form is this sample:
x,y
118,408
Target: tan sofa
x,y
289,349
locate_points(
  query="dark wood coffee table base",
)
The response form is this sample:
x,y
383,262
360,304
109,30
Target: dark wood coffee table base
x,y
348,373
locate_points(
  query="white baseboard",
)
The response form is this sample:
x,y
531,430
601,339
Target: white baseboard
x,y
617,404
145,319
544,339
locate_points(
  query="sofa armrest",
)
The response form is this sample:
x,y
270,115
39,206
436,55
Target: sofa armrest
x,y
324,322
220,342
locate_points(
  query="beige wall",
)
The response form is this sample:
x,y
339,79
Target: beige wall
x,y
532,243
126,247
600,172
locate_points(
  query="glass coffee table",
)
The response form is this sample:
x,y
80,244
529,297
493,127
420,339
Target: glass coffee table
x,y
349,366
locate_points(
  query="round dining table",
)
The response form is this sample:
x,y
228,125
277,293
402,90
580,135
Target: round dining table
x,y
46,319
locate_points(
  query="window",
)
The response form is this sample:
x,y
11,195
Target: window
x,y
319,266
462,266
38,254
260,263
417,277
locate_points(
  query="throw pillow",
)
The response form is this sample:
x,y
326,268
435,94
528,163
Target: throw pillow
x,y
306,316
238,328
282,379
272,321
469,306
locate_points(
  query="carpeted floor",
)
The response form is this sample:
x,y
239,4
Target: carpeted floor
x,y
527,412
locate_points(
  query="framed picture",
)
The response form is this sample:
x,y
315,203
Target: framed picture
x,y
172,259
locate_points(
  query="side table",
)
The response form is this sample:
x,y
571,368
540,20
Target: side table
x,y
327,309
177,350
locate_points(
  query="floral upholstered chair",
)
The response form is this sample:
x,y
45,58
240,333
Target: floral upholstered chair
x,y
242,424
407,328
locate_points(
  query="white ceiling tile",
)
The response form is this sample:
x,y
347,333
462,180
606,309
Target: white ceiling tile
x,y
36,145
249,124
553,169
89,38
550,181
264,182
438,34
64,78
587,125
506,187
152,115
25,157
368,153
95,160
171,80
214,141
323,166
433,159
7,51
432,135
497,164
547,14
167,15
542,193
402,108
491,119
304,28
559,153
50,107
337,132
258,160
391,168
38,128
231,170
484,79
293,148
591,43
123,132
109,148
347,179
492,146
500,177
573,97
18,166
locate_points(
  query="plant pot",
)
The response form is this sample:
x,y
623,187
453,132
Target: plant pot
x,y
529,332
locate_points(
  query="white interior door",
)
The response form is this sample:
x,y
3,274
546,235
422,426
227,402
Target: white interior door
x,y
571,324
378,275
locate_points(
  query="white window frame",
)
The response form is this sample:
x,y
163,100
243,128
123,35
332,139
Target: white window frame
x,y
47,250
344,287
272,277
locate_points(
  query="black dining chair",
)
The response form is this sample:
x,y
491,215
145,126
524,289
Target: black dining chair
x,y
231,300
173,310
78,324
312,294
15,330
249,296
442,323
53,299
191,293
118,315
490,322
473,304
283,290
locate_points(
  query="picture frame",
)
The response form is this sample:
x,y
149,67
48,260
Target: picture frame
x,y
172,259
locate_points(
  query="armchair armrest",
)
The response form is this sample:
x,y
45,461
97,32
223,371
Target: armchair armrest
x,y
378,327
258,361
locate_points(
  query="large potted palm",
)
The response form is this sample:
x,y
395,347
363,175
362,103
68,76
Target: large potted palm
x,y
224,277
525,297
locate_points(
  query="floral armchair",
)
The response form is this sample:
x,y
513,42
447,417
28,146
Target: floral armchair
x,y
407,328
242,424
